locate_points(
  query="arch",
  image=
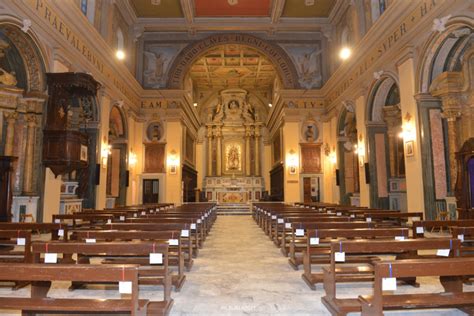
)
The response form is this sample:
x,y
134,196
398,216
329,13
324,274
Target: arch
x,y
186,58
117,124
437,49
30,53
378,96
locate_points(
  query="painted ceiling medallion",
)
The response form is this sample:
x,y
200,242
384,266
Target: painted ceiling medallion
x,y
233,2
156,2
309,2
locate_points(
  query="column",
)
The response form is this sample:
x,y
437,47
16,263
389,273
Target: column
x,y
362,131
30,145
413,164
393,119
257,151
218,134
248,134
10,134
451,113
209,151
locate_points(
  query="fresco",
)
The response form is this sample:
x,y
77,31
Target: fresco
x,y
157,59
307,60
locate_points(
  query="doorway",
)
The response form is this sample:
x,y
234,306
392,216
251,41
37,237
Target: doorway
x,y
151,191
307,189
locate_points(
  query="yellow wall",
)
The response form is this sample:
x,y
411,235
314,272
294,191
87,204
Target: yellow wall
x,y
361,130
200,164
331,191
291,130
103,131
135,130
267,165
413,168
52,195
174,140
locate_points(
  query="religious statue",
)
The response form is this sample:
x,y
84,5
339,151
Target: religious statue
x,y
154,67
7,78
247,112
233,105
219,113
309,134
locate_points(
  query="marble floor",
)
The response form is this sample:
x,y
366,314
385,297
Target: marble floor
x,y
240,272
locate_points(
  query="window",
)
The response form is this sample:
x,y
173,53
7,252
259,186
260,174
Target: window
x,y
84,6
120,39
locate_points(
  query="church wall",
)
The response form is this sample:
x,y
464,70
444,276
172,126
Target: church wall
x,y
291,153
267,165
174,141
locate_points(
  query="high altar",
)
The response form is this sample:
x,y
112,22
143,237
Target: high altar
x,y
233,150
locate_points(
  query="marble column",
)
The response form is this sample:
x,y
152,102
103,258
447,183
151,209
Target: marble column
x,y
29,154
257,151
393,118
10,117
218,135
209,151
451,112
248,134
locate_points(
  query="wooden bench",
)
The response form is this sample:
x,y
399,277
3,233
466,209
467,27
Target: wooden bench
x,y
83,219
297,243
43,274
320,253
419,227
57,231
173,238
338,272
450,271
148,274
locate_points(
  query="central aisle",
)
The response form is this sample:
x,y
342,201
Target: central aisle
x,y
240,272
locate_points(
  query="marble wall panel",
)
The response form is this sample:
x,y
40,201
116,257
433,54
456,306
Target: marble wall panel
x,y
438,151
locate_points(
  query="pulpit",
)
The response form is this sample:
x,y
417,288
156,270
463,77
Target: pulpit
x,y
6,169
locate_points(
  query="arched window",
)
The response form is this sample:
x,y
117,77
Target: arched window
x,y
88,9
378,7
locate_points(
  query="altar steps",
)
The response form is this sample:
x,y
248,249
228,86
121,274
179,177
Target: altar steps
x,y
233,209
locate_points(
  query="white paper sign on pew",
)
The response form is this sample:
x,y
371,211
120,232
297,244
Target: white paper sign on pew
x,y
125,287
287,225
185,233
390,283
61,232
193,226
274,217
20,241
173,242
90,241
299,232
461,237
122,218
445,252
280,221
156,258
50,258
420,230
314,241
340,256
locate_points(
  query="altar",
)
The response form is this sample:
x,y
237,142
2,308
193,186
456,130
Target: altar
x,y
233,189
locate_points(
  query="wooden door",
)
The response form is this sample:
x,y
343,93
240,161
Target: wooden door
x,y
307,189
150,191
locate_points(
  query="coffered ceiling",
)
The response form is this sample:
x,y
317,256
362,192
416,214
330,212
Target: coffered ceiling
x,y
231,66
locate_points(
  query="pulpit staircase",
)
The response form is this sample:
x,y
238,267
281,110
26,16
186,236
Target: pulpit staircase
x,y
233,209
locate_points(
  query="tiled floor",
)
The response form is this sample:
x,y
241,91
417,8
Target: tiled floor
x,y
240,272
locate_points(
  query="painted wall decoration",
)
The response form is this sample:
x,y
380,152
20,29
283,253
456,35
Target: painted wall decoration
x,y
116,124
311,158
12,68
308,60
309,131
156,60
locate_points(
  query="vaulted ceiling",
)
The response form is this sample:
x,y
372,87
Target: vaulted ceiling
x,y
231,8
232,66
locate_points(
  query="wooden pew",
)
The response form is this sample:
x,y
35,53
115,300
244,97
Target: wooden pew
x,y
419,227
57,231
149,274
450,271
43,274
339,272
173,238
297,244
82,219
319,253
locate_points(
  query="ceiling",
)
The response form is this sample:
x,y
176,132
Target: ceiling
x,y
231,66
232,8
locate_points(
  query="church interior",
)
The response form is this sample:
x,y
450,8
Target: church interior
x,y
237,157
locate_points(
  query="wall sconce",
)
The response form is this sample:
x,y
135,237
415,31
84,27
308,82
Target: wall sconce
x,y
132,159
408,129
292,161
333,157
173,161
106,151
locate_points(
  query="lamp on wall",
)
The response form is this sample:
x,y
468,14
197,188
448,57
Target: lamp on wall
x,y
132,159
106,151
359,149
173,161
292,161
408,129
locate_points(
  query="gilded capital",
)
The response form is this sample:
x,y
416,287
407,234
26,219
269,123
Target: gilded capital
x,y
10,116
31,120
